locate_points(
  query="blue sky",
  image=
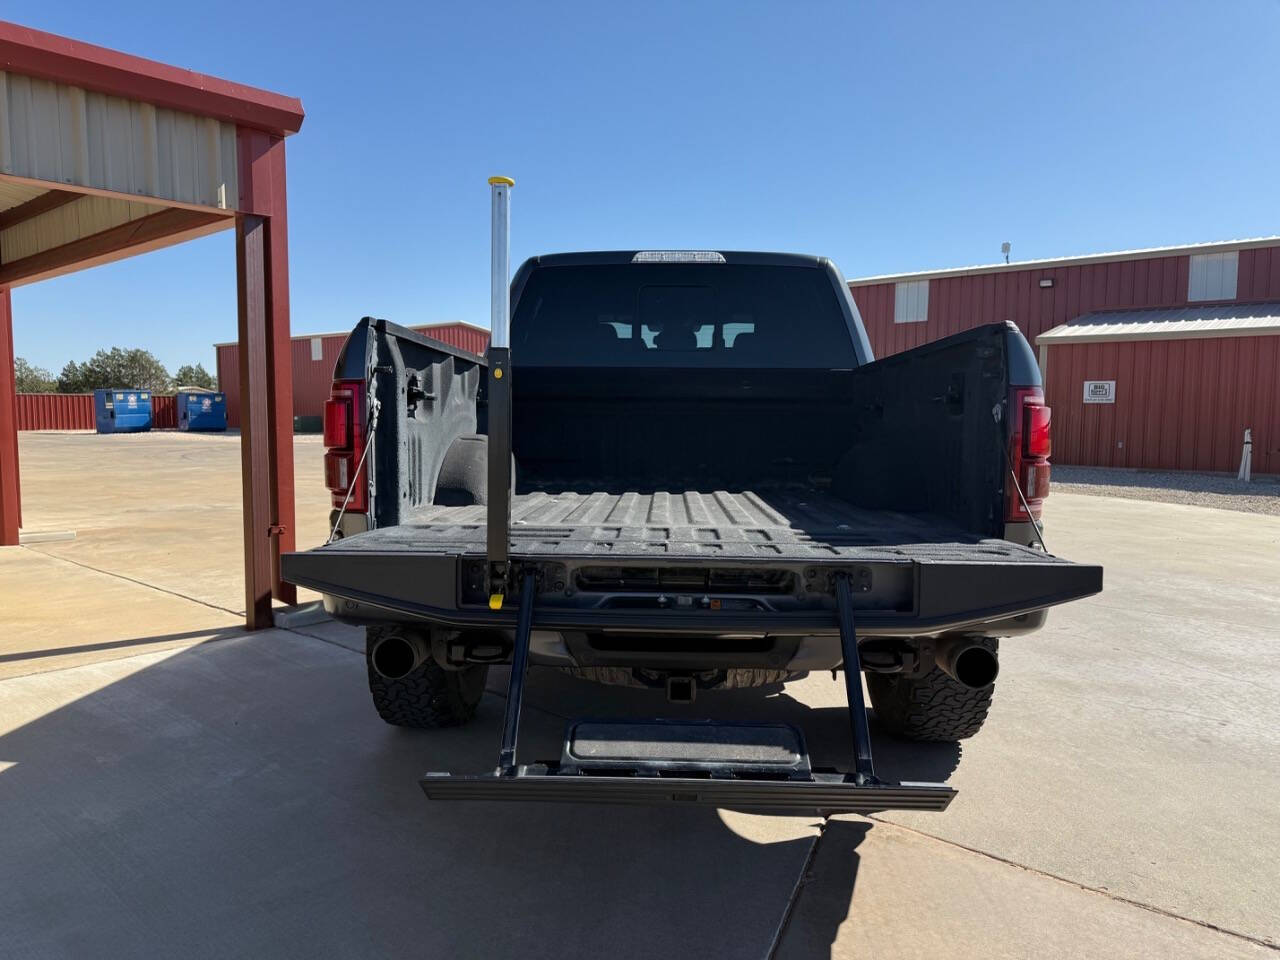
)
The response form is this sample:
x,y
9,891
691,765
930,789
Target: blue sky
x,y
891,137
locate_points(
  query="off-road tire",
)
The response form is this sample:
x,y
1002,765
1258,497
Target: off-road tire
x,y
932,707
429,697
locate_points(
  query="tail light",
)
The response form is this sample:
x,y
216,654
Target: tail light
x,y
344,439
1030,444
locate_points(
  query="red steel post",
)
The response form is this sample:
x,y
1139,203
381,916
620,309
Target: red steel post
x,y
10,502
266,372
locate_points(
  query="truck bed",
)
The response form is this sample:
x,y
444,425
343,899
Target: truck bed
x,y
785,523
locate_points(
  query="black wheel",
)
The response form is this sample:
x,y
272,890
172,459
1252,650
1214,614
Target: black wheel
x,y
933,707
427,696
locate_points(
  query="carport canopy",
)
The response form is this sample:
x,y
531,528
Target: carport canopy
x,y
1205,321
103,156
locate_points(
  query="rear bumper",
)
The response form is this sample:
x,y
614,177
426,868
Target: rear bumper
x,y
895,598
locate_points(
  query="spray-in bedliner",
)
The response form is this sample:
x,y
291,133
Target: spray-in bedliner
x,y
785,523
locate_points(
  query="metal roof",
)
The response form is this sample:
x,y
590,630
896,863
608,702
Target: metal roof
x,y
34,53
1174,323
105,155
1145,253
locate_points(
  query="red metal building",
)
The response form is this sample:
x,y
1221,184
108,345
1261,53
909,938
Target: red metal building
x,y
1186,338
313,357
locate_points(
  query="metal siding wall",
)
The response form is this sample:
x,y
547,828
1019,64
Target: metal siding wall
x,y
313,378
228,372
66,135
960,303
1180,404
1259,274
461,336
164,411
55,411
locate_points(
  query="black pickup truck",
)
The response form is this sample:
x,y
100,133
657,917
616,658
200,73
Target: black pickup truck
x,y
712,483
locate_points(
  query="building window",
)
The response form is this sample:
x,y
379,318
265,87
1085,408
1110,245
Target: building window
x,y
1213,276
911,301
317,348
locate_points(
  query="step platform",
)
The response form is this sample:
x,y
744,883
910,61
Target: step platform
x,y
754,767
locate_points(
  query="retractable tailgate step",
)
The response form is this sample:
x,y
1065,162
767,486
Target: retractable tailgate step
x,y
740,766
823,792
716,748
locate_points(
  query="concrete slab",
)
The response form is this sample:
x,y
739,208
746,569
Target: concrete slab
x,y
855,903
56,614
1134,744
45,536
299,615
240,798
163,507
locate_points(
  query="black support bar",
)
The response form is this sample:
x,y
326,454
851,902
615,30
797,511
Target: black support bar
x,y
863,766
498,517
515,686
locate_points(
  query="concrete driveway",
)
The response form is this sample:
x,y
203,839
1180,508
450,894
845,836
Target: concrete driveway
x,y
172,786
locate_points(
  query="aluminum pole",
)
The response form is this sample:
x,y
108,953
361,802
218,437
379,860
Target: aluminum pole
x,y
500,272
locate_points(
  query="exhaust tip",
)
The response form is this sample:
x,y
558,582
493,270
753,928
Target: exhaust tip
x,y
969,664
976,667
396,656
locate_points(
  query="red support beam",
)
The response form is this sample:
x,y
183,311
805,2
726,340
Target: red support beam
x,y
155,228
49,200
266,372
10,503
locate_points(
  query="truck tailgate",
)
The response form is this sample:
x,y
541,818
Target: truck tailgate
x,y
609,558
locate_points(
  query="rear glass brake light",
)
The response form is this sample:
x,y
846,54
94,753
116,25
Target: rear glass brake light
x,y
678,256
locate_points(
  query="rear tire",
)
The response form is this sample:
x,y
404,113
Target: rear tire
x,y
932,707
427,698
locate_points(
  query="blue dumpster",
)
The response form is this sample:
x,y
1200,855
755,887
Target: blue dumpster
x,y
202,411
122,411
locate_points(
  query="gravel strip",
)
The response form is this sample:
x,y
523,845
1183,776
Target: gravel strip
x,y
1217,490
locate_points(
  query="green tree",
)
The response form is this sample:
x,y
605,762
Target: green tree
x,y
197,376
32,379
135,368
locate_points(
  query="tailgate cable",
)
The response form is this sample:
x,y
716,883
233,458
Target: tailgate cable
x,y
996,414
374,407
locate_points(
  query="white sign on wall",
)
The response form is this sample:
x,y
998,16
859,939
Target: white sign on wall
x,y
1099,391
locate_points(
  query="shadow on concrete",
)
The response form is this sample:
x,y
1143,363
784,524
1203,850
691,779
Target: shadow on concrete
x,y
207,636
242,798
822,902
